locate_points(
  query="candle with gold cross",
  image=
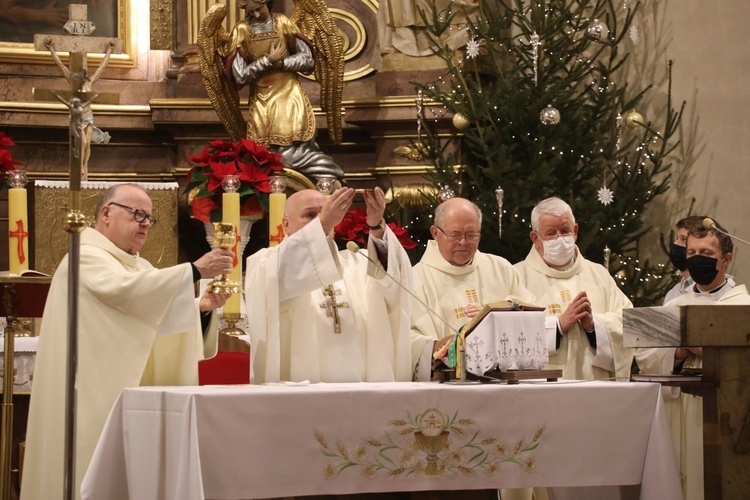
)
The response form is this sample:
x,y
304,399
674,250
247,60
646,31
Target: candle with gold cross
x,y
230,214
276,201
18,224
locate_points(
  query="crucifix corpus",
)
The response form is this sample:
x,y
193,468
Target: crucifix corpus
x,y
79,98
332,307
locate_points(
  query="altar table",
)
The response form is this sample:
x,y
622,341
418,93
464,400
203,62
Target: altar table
x,y
230,442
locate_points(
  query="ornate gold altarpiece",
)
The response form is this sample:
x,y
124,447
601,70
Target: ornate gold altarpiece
x,y
51,205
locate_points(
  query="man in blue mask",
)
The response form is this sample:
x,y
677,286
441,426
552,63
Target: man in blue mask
x,y
584,305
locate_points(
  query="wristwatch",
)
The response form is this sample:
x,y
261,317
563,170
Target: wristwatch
x,y
381,225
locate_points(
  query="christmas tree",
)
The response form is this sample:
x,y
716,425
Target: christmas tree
x,y
540,95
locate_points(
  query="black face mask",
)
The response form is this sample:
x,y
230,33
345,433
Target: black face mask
x,y
678,256
702,269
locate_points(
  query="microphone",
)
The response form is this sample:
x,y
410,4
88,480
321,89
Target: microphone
x,y
709,223
354,248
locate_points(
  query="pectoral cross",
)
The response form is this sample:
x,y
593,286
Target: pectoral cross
x,y
79,97
332,307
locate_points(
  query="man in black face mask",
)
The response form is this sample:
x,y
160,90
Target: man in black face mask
x,y
707,257
678,255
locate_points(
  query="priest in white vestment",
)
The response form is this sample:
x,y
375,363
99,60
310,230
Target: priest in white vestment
x,y
321,315
583,303
709,253
455,280
137,326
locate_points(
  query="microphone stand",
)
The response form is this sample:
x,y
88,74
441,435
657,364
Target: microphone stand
x,y
354,248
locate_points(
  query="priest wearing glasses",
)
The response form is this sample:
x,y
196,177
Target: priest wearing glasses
x,y
137,325
455,280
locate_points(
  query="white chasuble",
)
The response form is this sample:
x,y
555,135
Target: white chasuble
x,y
292,330
555,290
447,289
137,326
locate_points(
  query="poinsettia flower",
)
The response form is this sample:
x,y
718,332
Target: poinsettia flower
x,y
403,236
202,207
6,141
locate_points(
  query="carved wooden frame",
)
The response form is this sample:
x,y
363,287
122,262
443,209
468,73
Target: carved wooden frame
x,y
127,21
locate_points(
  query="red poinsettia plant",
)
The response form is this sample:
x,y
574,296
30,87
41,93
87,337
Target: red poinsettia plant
x,y
253,163
353,227
7,163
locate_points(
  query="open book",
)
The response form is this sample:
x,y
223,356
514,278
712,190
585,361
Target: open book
x,y
27,272
509,304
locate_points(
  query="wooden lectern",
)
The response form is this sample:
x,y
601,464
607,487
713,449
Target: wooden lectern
x,y
22,296
724,334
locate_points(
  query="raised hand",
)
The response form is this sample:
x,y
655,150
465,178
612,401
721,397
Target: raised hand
x,y
335,208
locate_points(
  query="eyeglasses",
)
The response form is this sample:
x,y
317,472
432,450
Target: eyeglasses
x,y
456,236
550,237
138,214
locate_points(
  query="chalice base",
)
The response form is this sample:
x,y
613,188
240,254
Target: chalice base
x,y
232,329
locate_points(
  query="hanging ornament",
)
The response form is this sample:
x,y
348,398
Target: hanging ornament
x,y
618,127
460,121
549,115
597,30
535,44
605,196
472,47
445,194
499,197
607,255
633,119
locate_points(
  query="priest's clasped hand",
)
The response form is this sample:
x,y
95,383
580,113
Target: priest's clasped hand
x,y
578,311
216,262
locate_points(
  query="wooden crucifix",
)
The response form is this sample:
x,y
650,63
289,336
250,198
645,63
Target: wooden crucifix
x,y
332,307
79,98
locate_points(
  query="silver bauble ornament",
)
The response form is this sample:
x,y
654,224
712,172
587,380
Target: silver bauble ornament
x,y
445,194
597,30
549,115
633,119
460,121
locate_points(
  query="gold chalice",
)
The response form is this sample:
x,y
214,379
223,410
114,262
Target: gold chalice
x,y
432,445
224,237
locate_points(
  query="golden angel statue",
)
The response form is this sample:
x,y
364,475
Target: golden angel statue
x,y
265,52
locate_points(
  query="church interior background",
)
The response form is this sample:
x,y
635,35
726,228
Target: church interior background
x,y
164,115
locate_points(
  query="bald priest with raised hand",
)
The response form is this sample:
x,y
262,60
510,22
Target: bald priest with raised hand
x,y
137,325
323,315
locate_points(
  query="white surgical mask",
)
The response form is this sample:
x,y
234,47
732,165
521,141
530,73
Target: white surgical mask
x,y
559,251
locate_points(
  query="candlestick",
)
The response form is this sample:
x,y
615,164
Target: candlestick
x,y
276,202
18,224
230,214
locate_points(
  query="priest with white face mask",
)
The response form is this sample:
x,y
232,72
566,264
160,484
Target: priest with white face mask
x,y
583,304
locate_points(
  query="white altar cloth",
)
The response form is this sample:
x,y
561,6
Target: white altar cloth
x,y
228,442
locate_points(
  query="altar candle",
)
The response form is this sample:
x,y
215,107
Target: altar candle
x,y
18,226
230,213
275,217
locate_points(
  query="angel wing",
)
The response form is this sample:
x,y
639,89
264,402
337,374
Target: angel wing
x,y
314,20
213,44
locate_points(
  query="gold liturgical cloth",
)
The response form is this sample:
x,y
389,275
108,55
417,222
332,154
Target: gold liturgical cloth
x,y
51,204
